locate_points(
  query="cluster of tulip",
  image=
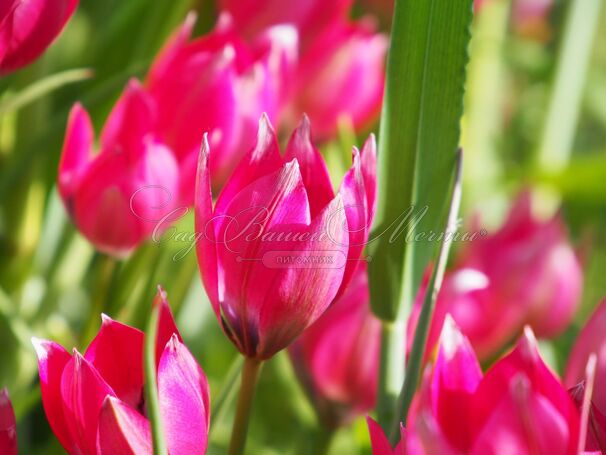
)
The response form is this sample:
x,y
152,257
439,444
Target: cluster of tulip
x,y
281,252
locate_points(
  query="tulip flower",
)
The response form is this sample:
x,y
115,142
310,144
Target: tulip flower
x,y
279,245
8,427
95,402
337,358
117,197
253,16
345,59
537,280
27,28
518,406
591,339
221,85
380,444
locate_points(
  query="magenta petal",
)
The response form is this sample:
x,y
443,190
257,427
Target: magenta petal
x,y
166,324
354,199
456,377
525,422
206,247
262,160
184,400
313,170
426,437
302,295
52,359
122,430
83,392
378,441
369,171
76,151
29,28
116,353
131,119
8,427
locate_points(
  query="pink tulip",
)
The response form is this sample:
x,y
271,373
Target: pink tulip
x,y
117,197
518,406
341,77
95,402
537,280
8,427
592,339
221,85
337,358
28,27
253,16
380,444
279,245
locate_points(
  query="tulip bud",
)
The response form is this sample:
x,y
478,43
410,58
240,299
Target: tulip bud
x,y
337,358
8,427
345,59
117,197
253,16
278,245
95,402
27,28
591,339
221,85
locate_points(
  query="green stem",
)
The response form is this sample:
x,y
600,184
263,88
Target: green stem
x,y
323,440
567,91
151,387
391,372
250,374
227,392
417,352
101,291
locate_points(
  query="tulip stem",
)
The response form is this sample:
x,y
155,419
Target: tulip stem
x,y
151,387
250,374
106,272
391,371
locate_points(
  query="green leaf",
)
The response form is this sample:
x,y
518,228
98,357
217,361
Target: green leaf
x,y
418,140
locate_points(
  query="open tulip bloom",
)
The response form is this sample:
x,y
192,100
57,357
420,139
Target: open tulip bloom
x,y
95,402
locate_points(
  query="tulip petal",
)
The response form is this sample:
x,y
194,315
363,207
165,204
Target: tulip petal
x,y
52,359
369,171
378,441
76,152
457,374
8,427
131,119
166,324
206,247
184,400
122,430
262,160
83,392
116,353
313,170
29,28
353,193
307,291
524,422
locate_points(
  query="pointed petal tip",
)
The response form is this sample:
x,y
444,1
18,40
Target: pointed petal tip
x,y
4,397
162,295
41,346
190,21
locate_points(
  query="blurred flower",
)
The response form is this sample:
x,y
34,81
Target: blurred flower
x,y
337,358
117,197
525,273
591,339
28,27
221,85
340,77
253,16
518,406
529,17
380,444
95,403
8,427
279,245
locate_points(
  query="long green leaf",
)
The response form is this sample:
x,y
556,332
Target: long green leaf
x,y
418,139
